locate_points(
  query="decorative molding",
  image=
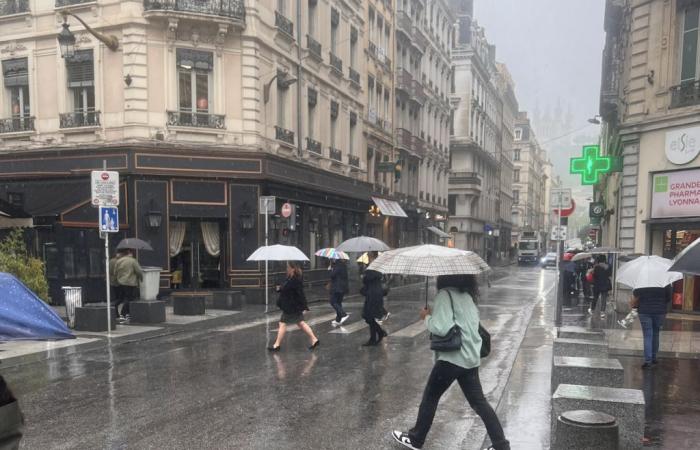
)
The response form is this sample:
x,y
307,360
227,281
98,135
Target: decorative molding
x,y
12,48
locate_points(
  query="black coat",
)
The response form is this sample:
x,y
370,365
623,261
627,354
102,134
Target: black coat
x,y
601,277
339,278
374,295
292,299
653,300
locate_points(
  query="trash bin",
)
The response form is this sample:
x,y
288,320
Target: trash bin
x,y
73,297
150,285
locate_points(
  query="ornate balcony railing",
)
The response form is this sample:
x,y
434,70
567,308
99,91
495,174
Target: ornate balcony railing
x,y
403,139
419,146
17,125
372,49
9,7
403,80
61,3
79,119
354,76
354,160
336,63
283,24
234,9
195,119
314,47
314,147
465,178
417,92
284,135
335,154
685,94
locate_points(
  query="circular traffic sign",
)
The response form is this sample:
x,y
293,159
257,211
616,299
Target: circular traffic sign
x,y
286,210
104,176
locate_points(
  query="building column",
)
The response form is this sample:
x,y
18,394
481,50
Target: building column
x,y
627,210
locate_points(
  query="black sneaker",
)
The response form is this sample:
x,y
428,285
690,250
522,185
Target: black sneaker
x,y
403,439
647,365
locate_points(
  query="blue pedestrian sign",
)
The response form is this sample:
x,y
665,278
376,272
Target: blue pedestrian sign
x,y
109,219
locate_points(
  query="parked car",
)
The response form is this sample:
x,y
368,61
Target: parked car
x,y
549,260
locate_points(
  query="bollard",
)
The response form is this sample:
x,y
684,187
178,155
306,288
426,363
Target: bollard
x,y
586,430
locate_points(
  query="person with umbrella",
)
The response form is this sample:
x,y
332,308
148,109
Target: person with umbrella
x,y
292,302
601,285
338,289
129,276
373,308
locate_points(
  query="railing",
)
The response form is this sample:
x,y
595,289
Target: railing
x,y
284,135
336,63
354,75
315,48
283,24
234,9
196,119
17,125
465,178
404,22
685,94
79,119
417,92
335,154
313,146
403,138
61,3
419,146
354,160
372,49
9,7
403,80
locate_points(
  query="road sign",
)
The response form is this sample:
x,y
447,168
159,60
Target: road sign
x,y
286,210
559,233
596,209
109,219
591,166
105,188
267,205
561,198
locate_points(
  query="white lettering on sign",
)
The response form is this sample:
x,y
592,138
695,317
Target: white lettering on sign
x,y
105,188
683,146
676,194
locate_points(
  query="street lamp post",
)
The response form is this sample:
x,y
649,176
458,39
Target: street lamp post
x,y
66,38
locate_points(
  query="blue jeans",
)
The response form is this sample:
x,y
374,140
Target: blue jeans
x,y
337,304
651,327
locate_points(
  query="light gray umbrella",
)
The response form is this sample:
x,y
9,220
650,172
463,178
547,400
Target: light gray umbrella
x,y
133,244
688,261
278,253
362,244
647,271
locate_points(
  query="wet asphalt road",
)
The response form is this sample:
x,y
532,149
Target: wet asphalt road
x,y
219,388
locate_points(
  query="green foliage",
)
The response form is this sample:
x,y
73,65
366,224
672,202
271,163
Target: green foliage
x,y
15,259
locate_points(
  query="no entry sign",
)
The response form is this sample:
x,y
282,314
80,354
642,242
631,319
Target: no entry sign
x,y
286,210
105,188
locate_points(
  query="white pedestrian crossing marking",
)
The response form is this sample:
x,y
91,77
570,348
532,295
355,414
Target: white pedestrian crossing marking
x,y
353,327
410,331
244,326
311,322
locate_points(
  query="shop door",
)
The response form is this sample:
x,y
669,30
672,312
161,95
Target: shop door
x,y
198,263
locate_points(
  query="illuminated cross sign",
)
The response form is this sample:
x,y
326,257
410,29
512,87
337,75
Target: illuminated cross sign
x,y
591,166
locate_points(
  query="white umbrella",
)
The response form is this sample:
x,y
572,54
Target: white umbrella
x,y
277,253
647,271
604,250
582,256
362,244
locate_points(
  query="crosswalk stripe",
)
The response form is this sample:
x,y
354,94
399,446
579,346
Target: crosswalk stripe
x,y
244,326
353,327
410,331
311,322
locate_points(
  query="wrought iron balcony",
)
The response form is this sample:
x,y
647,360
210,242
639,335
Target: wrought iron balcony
x,y
354,160
62,3
465,180
335,154
419,147
283,24
195,119
79,119
417,92
336,63
284,135
372,49
313,146
404,139
17,125
403,80
9,7
233,9
685,94
314,47
354,76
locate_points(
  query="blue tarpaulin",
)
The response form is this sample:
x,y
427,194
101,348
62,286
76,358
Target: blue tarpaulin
x,y
23,315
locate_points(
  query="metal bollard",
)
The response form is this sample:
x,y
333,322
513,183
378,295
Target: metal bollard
x,y
586,430
73,298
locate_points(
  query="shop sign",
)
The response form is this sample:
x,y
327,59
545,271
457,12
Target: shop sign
x,y
386,166
676,194
682,146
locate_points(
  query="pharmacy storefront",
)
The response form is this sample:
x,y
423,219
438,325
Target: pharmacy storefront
x,y
675,224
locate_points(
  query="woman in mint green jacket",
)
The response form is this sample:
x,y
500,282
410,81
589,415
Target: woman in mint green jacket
x,y
456,293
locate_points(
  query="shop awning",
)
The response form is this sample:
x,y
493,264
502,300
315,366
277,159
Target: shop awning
x,y
441,234
389,207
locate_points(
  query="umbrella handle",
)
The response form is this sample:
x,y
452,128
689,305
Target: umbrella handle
x,y
426,292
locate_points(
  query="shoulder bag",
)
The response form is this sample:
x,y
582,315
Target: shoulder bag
x,y
450,342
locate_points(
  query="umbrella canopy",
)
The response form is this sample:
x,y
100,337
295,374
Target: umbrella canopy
x,y
277,253
429,261
604,250
647,271
331,253
362,244
582,256
688,261
133,244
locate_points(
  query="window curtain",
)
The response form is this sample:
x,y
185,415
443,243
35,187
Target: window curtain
x,y
211,237
177,237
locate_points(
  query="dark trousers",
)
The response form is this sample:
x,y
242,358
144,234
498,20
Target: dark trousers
x,y
603,300
651,328
115,298
374,330
128,294
337,304
441,378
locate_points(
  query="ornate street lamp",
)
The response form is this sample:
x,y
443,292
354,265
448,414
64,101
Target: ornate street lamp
x,y
246,218
66,38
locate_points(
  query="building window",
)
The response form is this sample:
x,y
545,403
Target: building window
x,y
516,175
282,7
282,106
351,134
335,22
518,134
353,46
516,154
16,80
334,123
516,197
81,82
452,204
312,17
689,55
16,199
194,70
312,113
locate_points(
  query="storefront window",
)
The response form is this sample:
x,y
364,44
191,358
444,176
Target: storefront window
x,y
686,293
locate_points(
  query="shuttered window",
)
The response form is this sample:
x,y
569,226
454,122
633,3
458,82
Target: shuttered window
x,y
81,69
15,72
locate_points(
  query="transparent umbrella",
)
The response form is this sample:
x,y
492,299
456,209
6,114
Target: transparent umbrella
x,y
362,244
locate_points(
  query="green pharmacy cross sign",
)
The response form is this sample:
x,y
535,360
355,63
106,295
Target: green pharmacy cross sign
x,y
591,166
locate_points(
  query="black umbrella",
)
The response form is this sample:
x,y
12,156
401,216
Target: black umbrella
x,y
688,261
133,244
